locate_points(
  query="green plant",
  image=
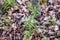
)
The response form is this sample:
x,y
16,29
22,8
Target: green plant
x,y
44,38
52,20
58,38
58,32
33,10
30,24
7,21
1,23
8,4
27,34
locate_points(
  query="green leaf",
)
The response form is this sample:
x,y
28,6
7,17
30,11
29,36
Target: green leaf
x,y
58,32
33,10
32,26
27,34
7,21
58,38
52,20
31,17
8,4
44,38
1,24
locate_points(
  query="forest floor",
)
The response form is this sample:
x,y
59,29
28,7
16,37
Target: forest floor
x,y
24,21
